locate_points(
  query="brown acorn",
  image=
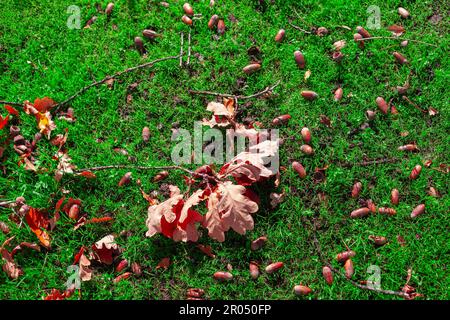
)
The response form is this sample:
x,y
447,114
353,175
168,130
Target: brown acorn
x,y
378,240
136,268
420,209
14,131
125,179
359,213
186,20
150,34
349,270
338,94
394,196
297,166
302,290
223,276
433,192
370,115
306,134
403,13
321,31
399,58
254,270
356,189
161,176
251,68
146,134
309,95
258,243
281,119
357,37
306,149
195,293
363,32
74,212
109,8
388,211
344,256
90,22
213,21
122,265
404,43
382,105
280,35
299,59
415,172
139,45
273,267
337,56
188,9
221,26
328,275
408,147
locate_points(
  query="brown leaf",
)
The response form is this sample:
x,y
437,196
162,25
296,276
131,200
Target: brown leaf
x,y
206,250
164,263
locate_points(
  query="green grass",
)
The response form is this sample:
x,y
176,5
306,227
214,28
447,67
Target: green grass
x,y
40,56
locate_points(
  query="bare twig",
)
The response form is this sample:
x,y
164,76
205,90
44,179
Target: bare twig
x,y
300,29
397,38
239,97
181,48
125,166
17,104
413,104
189,48
368,163
118,74
354,283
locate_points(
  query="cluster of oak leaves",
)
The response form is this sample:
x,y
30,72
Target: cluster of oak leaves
x,y
227,195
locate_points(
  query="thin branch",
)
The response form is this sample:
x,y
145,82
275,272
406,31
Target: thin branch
x,y
189,48
239,97
397,38
125,166
354,283
300,29
413,104
368,163
118,74
181,48
17,104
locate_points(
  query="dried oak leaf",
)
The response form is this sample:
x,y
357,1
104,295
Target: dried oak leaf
x,y
105,250
9,266
222,113
229,207
55,294
38,222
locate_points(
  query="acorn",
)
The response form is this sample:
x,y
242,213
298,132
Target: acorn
x,y
254,270
74,212
150,34
302,290
420,209
306,149
109,8
136,268
349,270
258,243
404,43
328,275
14,131
337,56
394,196
221,26
186,20
338,94
273,267
356,189
251,68
280,35
281,119
415,172
377,240
223,276
139,45
399,58
321,31
370,115
359,213
403,13
382,105
363,32
121,265
357,37
299,59
309,95
213,21
161,176
90,22
297,166
388,211
125,179
344,256
146,134
306,135
188,9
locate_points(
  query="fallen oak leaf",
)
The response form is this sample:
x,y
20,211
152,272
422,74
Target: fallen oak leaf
x,y
37,220
206,250
9,266
22,245
164,263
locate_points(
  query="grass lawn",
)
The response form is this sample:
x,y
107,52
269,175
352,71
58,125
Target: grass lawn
x,y
40,56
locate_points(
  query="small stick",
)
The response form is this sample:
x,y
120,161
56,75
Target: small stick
x,y
240,97
189,48
181,49
97,83
120,166
17,104
396,38
298,28
413,104
368,163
